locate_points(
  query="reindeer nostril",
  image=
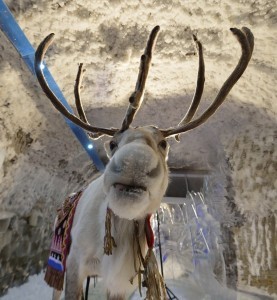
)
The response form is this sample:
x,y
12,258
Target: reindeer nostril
x,y
115,168
155,172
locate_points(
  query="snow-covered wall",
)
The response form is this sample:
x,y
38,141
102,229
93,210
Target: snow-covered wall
x,y
40,160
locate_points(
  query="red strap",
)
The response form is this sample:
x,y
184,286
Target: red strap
x,y
149,232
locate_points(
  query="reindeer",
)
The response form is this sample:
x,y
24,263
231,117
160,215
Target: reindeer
x,y
134,181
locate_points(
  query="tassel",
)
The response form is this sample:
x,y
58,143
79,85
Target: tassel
x,y
109,242
153,280
54,278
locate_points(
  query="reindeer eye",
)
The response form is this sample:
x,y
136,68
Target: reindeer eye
x,y
113,145
163,144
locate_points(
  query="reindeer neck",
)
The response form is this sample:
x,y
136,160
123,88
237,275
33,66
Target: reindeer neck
x,y
124,229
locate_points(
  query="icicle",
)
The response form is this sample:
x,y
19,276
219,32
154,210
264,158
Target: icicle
x,y
109,242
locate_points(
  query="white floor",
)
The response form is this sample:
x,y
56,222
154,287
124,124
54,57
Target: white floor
x,y
36,289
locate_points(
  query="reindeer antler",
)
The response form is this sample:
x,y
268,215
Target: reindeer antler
x,y
199,86
246,40
78,102
77,87
39,56
135,99
137,96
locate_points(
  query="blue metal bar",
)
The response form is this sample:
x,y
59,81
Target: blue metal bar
x,y
17,37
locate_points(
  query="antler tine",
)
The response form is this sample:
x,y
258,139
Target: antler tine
x,y
199,86
39,56
246,40
137,96
77,87
78,101
250,38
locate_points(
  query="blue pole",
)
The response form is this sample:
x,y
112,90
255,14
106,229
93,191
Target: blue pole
x,y
17,37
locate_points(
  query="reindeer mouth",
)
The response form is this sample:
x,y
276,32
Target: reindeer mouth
x,y
130,189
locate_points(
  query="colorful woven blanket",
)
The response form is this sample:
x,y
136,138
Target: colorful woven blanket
x,y
61,241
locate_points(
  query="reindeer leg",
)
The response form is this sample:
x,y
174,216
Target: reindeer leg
x,y
73,287
74,280
56,295
115,297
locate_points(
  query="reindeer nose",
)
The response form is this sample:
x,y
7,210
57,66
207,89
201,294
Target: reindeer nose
x,y
135,159
155,172
116,168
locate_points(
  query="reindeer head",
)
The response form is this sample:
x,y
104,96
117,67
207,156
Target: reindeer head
x,y
136,177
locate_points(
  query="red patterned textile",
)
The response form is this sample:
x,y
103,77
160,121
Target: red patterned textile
x,y
61,241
